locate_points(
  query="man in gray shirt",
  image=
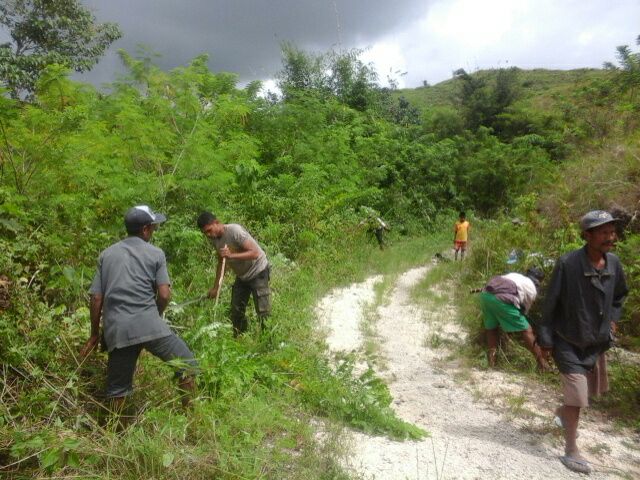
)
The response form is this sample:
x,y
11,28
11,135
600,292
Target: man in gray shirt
x,y
247,260
129,292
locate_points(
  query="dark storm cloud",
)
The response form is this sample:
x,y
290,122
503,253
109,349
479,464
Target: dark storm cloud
x,y
244,36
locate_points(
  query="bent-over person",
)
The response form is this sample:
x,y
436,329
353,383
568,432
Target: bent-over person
x,y
505,301
249,263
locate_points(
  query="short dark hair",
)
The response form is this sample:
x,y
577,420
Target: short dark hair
x,y
205,218
462,214
135,229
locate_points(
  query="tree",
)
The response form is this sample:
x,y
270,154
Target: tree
x,y
628,73
333,74
482,100
352,81
301,72
44,32
474,99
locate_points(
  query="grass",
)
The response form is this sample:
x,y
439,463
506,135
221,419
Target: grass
x,y
258,396
516,405
436,341
368,326
599,449
536,85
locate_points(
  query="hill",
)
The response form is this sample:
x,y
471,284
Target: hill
x,y
534,85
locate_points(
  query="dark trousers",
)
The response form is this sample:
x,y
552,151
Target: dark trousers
x,y
121,364
378,233
258,287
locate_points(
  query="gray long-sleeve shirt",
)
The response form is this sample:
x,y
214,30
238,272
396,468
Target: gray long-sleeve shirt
x,y
581,302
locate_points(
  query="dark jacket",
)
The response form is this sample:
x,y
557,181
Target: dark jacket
x,y
581,303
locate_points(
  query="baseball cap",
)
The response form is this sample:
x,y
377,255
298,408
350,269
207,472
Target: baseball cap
x,y
595,218
142,215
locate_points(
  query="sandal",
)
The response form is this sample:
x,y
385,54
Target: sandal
x,y
576,464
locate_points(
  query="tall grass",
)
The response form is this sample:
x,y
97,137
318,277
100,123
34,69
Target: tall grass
x,y
258,395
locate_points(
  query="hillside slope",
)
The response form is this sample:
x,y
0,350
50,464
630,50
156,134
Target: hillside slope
x,y
536,85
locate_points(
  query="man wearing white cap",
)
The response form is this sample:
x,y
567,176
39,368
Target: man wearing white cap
x,y
129,292
582,305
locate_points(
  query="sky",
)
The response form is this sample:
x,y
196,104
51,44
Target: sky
x,y
411,41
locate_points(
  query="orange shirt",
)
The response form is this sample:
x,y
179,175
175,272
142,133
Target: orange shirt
x,y
461,230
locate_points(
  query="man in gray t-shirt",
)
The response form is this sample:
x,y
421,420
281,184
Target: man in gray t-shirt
x,y
129,292
247,260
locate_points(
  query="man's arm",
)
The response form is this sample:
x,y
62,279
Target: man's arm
x,y
95,312
619,293
162,297
250,251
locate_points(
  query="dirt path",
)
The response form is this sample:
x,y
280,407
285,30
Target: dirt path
x,y
470,414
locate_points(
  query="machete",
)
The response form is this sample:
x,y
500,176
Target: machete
x,y
180,306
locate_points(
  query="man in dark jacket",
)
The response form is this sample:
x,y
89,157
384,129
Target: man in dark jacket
x,y
582,305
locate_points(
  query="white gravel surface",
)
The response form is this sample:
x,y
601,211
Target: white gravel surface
x,y
474,434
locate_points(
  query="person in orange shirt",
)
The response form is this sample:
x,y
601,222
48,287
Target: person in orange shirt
x,y
461,231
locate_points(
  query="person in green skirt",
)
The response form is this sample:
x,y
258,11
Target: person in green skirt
x,y
505,301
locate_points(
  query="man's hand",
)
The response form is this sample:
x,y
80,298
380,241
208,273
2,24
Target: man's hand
x,y
89,346
225,252
213,292
614,337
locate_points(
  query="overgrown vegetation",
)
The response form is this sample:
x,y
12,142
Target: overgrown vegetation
x,y
296,171
600,126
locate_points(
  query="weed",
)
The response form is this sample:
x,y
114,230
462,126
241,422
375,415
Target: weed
x,y
463,376
516,403
436,341
599,448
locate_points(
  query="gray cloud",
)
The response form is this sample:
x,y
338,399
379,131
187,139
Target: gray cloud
x,y
244,36
426,38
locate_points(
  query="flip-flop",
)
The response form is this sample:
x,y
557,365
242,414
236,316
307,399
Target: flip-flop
x,y
576,464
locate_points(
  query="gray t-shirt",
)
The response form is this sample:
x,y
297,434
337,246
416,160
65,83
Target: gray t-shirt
x,y
127,278
233,237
